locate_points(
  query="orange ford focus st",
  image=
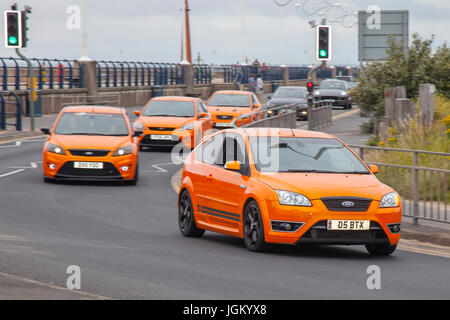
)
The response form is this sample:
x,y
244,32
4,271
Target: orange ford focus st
x,y
286,186
91,143
167,121
227,105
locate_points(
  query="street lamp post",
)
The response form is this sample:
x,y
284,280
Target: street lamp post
x,y
84,48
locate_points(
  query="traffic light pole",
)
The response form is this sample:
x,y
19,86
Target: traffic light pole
x,y
310,97
31,87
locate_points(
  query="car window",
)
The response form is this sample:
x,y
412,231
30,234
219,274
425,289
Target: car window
x,y
290,93
232,149
339,85
88,123
255,100
208,151
294,154
230,100
169,108
201,107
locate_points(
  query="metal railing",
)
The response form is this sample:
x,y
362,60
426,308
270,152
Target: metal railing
x,y
424,191
320,115
298,73
202,73
4,113
49,74
285,118
128,73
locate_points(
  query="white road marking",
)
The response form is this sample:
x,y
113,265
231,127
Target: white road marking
x,y
11,173
33,165
158,167
18,143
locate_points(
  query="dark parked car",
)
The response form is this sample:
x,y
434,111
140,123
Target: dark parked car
x,y
334,90
290,95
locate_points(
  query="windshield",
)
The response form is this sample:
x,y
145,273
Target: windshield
x,y
293,154
332,85
290,93
230,100
168,108
83,123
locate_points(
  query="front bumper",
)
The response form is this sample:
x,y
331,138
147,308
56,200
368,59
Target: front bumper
x,y
314,224
61,167
185,137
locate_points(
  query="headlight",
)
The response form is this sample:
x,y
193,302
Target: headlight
x,y
188,126
390,200
343,93
53,148
138,126
123,151
317,93
292,198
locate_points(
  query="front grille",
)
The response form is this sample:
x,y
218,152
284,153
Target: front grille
x,y
320,234
89,152
161,129
338,203
224,117
329,98
108,171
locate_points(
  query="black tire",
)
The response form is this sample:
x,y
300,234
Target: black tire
x,y
186,219
135,180
380,249
253,228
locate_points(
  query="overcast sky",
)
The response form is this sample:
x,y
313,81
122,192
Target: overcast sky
x,y
150,30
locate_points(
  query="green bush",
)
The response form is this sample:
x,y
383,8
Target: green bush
x,y
415,66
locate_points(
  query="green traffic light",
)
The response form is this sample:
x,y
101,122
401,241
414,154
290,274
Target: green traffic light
x,y
12,40
322,53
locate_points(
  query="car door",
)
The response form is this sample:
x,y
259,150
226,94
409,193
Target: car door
x,y
201,174
227,193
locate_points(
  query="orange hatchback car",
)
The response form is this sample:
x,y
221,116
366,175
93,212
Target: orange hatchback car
x,y
91,143
226,105
286,186
167,121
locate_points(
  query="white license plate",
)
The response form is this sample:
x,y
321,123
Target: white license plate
x,y
224,124
160,137
348,225
88,165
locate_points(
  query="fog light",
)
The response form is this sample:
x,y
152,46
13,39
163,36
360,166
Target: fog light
x,y
285,226
394,227
52,166
124,168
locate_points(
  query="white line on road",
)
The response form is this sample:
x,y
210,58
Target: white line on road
x,y
33,165
11,173
158,167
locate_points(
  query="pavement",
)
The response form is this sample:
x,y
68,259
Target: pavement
x,y
125,240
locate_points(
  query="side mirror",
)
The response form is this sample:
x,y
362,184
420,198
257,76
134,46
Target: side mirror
x,y
373,168
137,133
256,106
137,113
202,115
233,165
45,130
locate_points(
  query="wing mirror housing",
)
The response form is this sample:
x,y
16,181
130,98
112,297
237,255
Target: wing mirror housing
x,y
137,113
373,168
233,166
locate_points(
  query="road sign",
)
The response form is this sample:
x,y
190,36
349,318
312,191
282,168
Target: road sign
x,y
374,29
323,43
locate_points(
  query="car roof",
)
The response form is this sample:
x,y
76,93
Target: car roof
x,y
232,92
280,132
174,98
94,109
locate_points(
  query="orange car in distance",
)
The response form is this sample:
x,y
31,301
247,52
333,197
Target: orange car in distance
x,y
286,186
91,143
227,105
167,121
